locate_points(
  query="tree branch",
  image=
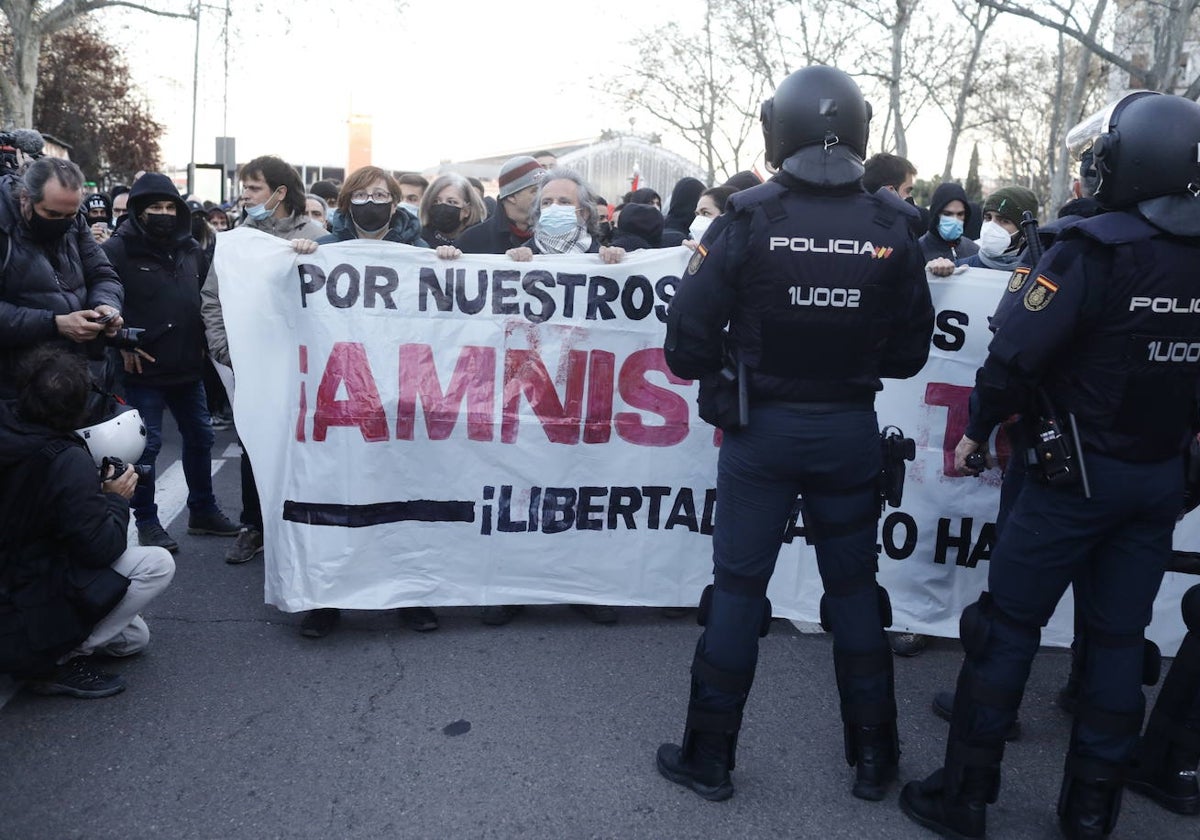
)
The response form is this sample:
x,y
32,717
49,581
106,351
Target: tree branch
x,y
1088,42
67,12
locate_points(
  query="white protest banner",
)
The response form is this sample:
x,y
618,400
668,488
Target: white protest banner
x,y
480,431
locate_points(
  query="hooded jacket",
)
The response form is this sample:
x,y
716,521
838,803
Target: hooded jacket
x,y
681,211
932,243
639,226
162,279
403,229
38,282
62,535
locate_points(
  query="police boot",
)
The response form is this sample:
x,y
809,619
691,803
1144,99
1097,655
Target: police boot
x,y
874,753
1090,798
953,801
1166,759
866,685
1167,775
705,759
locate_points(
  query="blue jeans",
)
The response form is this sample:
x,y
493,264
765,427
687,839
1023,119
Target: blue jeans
x,y
189,407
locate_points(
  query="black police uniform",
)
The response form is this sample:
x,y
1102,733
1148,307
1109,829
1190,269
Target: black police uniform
x,y
824,292
1105,327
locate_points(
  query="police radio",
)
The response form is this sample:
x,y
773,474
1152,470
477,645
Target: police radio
x,y
1057,456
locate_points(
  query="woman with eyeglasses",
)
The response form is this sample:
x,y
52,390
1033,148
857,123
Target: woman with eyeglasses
x,y
448,207
367,209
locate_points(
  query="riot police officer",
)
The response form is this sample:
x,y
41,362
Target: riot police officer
x,y
822,289
1103,355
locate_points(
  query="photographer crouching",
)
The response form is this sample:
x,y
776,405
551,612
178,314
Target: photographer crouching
x,y
71,587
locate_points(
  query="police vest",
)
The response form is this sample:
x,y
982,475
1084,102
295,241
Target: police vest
x,y
814,287
1131,373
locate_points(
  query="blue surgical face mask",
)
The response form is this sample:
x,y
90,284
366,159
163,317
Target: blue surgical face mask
x,y
259,212
950,228
414,210
558,219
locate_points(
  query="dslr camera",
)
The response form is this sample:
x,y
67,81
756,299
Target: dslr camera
x,y
142,471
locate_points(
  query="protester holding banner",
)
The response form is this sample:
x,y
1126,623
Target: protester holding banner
x,y
509,226
1106,377
449,207
368,207
275,200
564,220
792,384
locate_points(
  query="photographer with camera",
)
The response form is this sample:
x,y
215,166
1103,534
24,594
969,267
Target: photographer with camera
x,y
55,282
70,586
163,268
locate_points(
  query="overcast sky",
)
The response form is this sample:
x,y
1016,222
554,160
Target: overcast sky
x,y
442,80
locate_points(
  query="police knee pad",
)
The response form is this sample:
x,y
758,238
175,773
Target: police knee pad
x,y
1190,607
705,606
974,627
1151,663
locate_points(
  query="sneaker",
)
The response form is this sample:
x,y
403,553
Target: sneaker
x,y
420,619
318,623
943,707
155,534
908,644
249,544
596,613
213,523
77,678
500,614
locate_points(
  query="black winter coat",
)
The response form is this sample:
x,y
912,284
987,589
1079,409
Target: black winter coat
x,y
62,535
494,235
162,296
39,282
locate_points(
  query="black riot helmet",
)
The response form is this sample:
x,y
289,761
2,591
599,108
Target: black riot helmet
x,y
813,105
1145,145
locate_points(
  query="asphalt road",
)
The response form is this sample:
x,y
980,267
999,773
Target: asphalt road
x,y
234,726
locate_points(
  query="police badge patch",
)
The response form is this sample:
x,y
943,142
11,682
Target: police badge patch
x,y
1017,279
697,259
1040,294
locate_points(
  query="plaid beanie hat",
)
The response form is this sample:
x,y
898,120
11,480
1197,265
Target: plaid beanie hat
x,y
518,173
1011,202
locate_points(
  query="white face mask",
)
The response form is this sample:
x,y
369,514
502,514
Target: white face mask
x,y
993,239
698,227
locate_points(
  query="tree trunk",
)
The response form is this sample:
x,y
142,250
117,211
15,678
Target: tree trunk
x,y
903,17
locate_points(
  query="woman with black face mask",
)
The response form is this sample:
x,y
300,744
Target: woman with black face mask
x,y
367,209
449,207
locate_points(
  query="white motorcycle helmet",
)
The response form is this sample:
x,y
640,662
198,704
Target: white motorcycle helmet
x,y
121,436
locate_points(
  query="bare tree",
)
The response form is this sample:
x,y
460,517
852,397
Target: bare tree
x,y
684,82
31,21
980,20
1161,27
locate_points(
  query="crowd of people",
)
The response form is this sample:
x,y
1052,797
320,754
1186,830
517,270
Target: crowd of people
x,y
116,293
